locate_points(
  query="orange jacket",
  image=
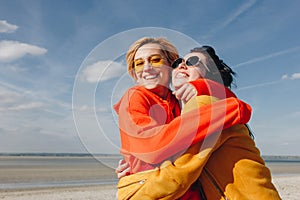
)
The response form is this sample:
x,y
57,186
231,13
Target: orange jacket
x,y
212,88
151,130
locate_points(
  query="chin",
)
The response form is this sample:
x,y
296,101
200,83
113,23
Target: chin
x,y
154,86
178,83
150,85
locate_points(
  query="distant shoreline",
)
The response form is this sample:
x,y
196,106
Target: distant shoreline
x,y
60,154
267,158
281,158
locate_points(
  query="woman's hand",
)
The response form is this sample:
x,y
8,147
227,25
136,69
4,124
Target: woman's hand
x,y
185,92
123,169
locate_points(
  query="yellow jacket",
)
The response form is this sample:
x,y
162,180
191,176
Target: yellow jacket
x,y
229,166
236,170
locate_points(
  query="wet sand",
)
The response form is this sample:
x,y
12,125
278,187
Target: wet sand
x,y
36,169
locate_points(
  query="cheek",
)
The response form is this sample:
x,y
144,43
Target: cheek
x,y
138,77
195,75
172,76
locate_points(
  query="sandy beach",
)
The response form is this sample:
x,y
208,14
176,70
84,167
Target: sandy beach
x,y
27,177
106,192
13,171
288,187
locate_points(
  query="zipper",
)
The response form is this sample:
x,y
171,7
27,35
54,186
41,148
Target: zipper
x,y
139,182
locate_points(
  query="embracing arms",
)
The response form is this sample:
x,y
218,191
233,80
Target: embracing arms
x,y
153,141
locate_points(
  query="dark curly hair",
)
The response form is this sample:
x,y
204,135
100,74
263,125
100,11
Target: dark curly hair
x,y
219,71
218,68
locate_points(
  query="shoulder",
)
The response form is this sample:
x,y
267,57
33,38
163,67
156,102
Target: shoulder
x,y
137,93
133,96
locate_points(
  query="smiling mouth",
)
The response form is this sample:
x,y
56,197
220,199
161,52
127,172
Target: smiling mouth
x,y
181,75
150,77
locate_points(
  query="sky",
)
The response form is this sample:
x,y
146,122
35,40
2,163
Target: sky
x,y
62,66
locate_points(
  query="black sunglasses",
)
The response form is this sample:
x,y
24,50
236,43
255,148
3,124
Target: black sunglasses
x,y
191,61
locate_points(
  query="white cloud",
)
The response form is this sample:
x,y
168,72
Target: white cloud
x,y
103,71
92,110
13,101
12,50
285,77
14,98
25,118
295,76
16,68
6,27
8,97
292,77
27,106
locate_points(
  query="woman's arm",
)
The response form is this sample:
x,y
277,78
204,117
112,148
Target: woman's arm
x,y
211,88
143,137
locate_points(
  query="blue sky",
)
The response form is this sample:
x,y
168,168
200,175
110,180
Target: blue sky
x,y
53,52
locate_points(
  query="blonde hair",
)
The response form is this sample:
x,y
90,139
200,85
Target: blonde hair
x,y
168,49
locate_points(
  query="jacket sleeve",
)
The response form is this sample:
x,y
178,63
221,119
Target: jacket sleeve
x,y
212,88
144,137
170,181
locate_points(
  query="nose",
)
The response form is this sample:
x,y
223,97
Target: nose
x,y
182,66
147,66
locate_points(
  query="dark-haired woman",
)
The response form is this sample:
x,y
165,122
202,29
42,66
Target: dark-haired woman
x,y
229,164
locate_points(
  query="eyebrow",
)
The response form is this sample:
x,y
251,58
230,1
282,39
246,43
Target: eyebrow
x,y
150,56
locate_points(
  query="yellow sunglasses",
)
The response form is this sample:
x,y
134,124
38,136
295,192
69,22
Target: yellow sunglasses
x,y
155,60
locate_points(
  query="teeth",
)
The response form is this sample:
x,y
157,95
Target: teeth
x,y
180,75
150,77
